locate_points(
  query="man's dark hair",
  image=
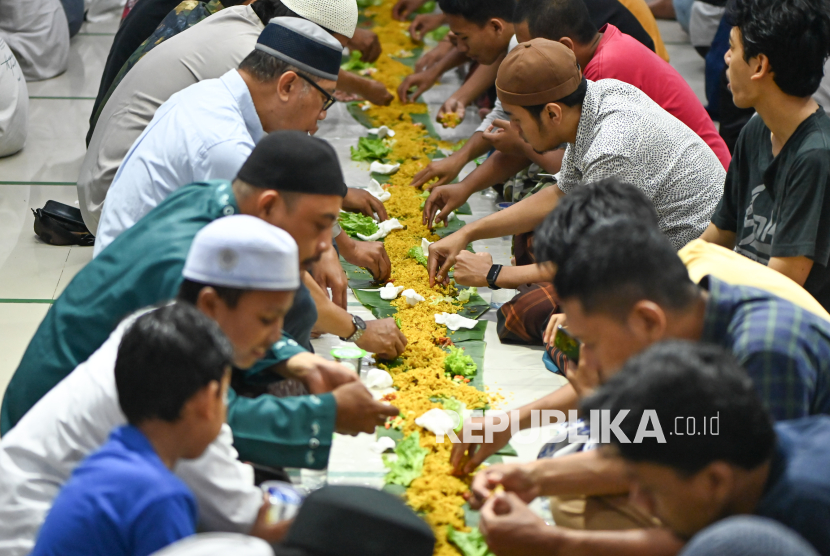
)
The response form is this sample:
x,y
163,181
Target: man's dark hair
x,y
619,262
576,98
688,384
581,209
479,11
189,292
793,34
554,19
165,358
267,10
265,68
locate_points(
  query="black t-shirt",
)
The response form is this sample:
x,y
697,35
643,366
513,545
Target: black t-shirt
x,y
139,24
611,11
780,206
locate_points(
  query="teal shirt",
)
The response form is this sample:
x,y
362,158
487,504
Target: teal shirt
x,y
143,267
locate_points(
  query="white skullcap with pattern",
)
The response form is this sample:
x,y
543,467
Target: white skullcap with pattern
x,y
338,16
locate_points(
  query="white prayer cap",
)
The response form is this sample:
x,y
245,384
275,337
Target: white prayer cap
x,y
338,16
210,544
243,252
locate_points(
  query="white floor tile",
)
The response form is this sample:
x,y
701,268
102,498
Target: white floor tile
x,y
18,322
86,63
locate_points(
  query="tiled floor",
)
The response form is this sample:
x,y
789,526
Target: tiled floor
x,y
32,274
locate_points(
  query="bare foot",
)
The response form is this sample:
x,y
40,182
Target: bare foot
x,y
662,9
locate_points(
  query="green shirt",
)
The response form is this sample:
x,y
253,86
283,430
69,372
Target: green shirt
x,y
143,267
779,206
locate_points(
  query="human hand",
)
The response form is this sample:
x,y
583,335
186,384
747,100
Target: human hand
x,y
423,24
445,169
452,105
357,410
328,273
512,529
360,200
433,56
374,91
505,138
317,374
519,478
367,43
584,377
383,338
556,320
270,532
404,8
442,256
471,268
421,82
444,198
466,457
370,255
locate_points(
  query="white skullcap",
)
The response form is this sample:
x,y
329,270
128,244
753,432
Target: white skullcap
x,y
338,16
210,544
243,252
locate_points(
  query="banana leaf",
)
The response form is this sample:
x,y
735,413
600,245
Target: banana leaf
x,y
358,114
359,278
464,334
411,60
426,119
464,209
380,308
454,225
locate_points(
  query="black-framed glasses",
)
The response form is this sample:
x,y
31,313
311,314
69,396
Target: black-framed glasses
x,y
330,100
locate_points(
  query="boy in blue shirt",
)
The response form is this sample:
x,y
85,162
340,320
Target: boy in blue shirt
x,y
172,375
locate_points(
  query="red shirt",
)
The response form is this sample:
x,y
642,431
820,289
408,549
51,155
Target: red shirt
x,y
621,57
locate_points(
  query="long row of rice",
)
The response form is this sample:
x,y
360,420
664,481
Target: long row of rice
x,y
437,494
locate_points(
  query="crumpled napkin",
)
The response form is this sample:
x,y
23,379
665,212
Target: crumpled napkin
x,y
454,322
378,192
384,229
390,291
380,168
425,243
436,421
382,132
377,378
383,443
412,297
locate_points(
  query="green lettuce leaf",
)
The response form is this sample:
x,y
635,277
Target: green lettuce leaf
x,y
353,224
354,63
456,363
418,254
464,295
369,149
470,544
410,462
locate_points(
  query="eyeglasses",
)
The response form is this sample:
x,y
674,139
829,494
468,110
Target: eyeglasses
x,y
330,100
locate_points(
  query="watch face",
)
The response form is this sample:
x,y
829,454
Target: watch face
x,y
359,322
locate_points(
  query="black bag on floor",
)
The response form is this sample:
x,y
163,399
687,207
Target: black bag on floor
x,y
60,224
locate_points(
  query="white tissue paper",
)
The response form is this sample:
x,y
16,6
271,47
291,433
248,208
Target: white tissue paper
x,y
454,322
425,246
412,297
378,378
384,229
380,168
436,421
382,132
378,192
390,291
384,443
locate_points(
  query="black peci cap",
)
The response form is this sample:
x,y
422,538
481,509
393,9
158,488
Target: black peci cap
x,y
356,521
294,161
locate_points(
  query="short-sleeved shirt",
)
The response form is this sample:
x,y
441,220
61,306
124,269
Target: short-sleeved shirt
x,y
785,349
622,133
121,501
780,206
184,16
205,132
797,493
656,78
206,51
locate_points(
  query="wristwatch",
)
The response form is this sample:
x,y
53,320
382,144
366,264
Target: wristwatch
x,y
492,275
359,329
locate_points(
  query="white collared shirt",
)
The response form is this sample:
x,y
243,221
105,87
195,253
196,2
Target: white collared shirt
x,y
73,420
623,133
204,132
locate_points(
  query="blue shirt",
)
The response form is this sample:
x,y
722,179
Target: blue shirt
x,y
204,132
784,348
121,501
797,493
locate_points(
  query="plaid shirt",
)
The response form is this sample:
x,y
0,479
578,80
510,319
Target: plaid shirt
x,y
784,348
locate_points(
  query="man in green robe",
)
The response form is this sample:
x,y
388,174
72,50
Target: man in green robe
x,y
143,266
